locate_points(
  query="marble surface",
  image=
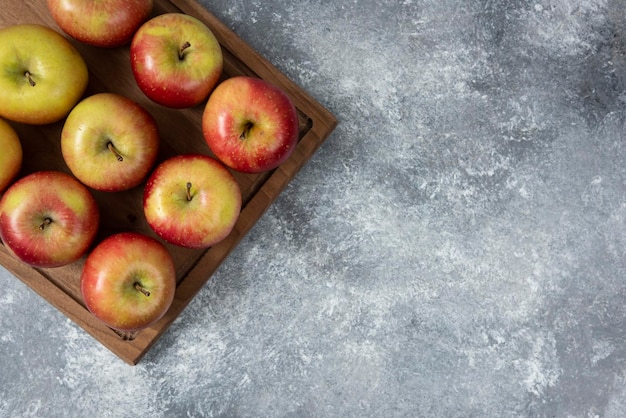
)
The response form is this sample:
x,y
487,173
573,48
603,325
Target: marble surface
x,y
457,247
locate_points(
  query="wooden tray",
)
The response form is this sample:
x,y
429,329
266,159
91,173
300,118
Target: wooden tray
x,y
180,133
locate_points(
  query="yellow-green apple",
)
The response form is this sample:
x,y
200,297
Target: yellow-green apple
x,y
109,142
128,281
48,219
250,124
192,200
10,154
176,60
42,75
100,23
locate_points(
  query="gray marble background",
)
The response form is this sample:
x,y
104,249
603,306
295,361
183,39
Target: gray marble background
x,y
457,248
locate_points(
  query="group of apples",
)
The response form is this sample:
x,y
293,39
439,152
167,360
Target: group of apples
x,y
110,143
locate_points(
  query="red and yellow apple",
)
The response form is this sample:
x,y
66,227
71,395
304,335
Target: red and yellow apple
x,y
192,201
109,142
48,219
42,75
10,154
176,60
128,281
250,124
100,23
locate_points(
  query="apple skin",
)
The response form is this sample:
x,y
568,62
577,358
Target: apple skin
x,y
109,275
199,220
58,74
48,219
10,156
250,124
159,71
105,24
109,120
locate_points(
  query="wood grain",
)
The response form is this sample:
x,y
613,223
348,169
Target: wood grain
x,y
180,132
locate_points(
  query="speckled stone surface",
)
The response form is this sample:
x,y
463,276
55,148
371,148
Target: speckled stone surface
x,y
457,247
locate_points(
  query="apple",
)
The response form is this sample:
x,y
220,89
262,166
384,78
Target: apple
x,y
48,219
250,124
103,23
128,281
176,60
109,142
10,156
42,75
192,200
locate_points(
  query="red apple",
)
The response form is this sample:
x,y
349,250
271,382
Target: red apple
x,y
109,142
192,200
250,124
10,154
42,75
101,23
128,281
176,60
48,219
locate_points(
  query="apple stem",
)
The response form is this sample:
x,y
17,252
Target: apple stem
x,y
246,130
112,148
28,76
45,223
181,54
189,197
142,289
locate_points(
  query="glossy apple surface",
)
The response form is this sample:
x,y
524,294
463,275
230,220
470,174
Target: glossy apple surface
x,y
48,219
192,201
42,75
128,281
100,23
250,124
10,154
109,142
176,60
